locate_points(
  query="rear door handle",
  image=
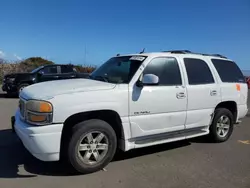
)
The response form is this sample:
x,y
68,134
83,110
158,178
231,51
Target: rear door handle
x,y
180,95
213,92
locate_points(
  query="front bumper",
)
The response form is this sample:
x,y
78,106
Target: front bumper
x,y
3,87
9,87
43,142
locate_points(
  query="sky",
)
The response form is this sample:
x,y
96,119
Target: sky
x,y
90,32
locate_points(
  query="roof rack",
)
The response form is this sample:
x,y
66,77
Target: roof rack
x,y
179,51
189,52
218,55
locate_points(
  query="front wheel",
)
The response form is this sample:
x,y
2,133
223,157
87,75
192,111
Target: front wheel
x,y
21,87
92,146
222,125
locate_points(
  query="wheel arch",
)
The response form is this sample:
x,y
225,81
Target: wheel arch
x,y
231,106
109,116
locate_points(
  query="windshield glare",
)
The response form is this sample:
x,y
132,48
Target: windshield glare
x,y
118,69
36,69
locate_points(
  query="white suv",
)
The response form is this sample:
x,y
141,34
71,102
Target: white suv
x,y
131,101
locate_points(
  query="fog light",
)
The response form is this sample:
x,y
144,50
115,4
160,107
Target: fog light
x,y
37,118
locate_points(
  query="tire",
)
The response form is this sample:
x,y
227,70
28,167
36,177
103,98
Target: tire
x,y
80,131
8,94
20,87
216,133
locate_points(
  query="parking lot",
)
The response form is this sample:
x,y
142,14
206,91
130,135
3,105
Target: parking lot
x,y
193,163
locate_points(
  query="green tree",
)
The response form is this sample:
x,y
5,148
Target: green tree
x,y
34,62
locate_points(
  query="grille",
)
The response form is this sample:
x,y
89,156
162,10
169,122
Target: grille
x,y
22,107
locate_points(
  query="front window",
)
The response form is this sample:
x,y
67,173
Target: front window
x,y
36,69
118,69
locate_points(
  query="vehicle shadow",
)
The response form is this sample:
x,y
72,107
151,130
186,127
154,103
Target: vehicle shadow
x,y
4,95
17,162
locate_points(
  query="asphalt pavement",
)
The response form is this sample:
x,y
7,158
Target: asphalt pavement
x,y
193,163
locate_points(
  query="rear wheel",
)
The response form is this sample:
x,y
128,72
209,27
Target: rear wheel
x,y
92,146
222,125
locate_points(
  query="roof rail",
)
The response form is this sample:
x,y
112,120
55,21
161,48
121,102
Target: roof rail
x,y
218,55
189,52
179,51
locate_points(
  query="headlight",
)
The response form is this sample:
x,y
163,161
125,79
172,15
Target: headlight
x,y
39,112
11,79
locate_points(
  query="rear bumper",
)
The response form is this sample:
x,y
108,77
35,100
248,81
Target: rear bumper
x,y
43,142
242,111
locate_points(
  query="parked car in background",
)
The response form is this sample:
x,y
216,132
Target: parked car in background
x,y
14,83
248,81
131,101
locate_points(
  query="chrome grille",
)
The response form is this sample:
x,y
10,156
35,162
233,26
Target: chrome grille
x,y
22,107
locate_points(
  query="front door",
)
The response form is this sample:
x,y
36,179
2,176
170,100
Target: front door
x,y
48,73
159,108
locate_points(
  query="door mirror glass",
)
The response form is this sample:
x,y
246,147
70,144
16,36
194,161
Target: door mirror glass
x,y
150,79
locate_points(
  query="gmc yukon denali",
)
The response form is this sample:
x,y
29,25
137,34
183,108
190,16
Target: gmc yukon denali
x,y
131,101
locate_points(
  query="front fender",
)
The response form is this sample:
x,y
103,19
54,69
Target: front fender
x,y
60,115
66,105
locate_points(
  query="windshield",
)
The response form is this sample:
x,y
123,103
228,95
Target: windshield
x,y
118,69
36,69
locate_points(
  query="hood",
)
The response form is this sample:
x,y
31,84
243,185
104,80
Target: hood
x,y
14,75
47,90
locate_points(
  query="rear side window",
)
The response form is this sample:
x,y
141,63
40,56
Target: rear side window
x,y
167,69
228,71
198,72
66,69
50,70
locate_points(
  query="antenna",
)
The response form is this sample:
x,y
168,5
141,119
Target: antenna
x,y
85,54
142,51
117,54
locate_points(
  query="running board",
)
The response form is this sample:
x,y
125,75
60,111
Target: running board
x,y
168,135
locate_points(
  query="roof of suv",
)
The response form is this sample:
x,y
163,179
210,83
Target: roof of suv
x,y
180,53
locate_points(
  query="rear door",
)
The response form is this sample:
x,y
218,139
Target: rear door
x,y
67,72
203,92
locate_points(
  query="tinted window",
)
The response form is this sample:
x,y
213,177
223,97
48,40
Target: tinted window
x,y
66,69
50,70
198,71
228,71
167,69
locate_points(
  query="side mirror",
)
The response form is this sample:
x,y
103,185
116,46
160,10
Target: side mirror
x,y
41,72
148,79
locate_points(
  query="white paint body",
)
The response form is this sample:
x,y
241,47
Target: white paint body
x,y
168,113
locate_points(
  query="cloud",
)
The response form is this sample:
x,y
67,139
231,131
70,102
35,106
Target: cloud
x,y
17,57
2,54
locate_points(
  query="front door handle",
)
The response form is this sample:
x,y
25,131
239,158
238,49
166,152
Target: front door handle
x,y
213,93
180,95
